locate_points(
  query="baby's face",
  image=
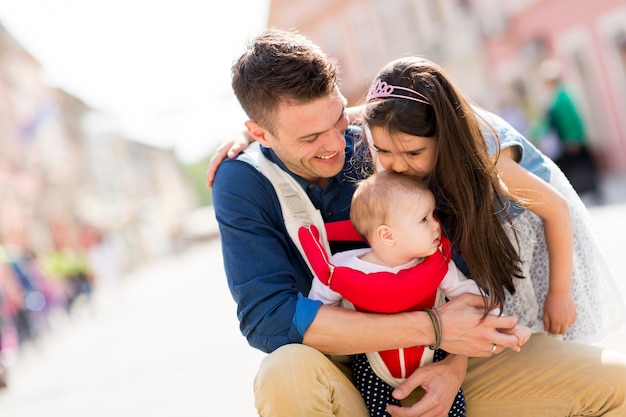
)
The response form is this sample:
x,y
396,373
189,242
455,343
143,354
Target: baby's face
x,y
414,225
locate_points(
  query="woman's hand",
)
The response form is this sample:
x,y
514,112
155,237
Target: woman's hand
x,y
559,312
441,381
230,149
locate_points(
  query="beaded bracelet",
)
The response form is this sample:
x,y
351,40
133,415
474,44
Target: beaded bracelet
x,y
435,319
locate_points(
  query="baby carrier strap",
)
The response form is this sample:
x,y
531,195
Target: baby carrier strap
x,y
383,292
342,230
297,208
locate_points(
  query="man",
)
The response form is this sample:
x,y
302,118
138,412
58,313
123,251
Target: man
x,y
288,88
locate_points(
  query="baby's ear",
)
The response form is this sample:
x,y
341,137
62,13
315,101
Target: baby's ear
x,y
385,235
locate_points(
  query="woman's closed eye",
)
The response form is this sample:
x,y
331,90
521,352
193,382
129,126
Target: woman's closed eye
x,y
380,151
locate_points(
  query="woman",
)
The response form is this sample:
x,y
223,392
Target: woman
x,y
486,175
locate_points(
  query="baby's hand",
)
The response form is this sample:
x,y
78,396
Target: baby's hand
x,y
522,333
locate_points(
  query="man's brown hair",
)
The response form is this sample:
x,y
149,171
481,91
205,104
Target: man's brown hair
x,y
279,67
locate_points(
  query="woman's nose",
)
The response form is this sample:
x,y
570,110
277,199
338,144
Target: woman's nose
x,y
399,165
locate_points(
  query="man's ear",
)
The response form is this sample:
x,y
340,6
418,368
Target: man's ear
x,y
258,133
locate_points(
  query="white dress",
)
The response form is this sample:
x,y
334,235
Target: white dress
x,y
600,306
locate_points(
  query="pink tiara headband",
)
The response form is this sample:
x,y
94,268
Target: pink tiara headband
x,y
382,89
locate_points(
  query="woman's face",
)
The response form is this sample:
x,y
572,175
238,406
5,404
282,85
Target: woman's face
x,y
404,153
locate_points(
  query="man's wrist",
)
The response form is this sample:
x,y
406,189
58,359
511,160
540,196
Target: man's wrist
x,y
422,333
437,322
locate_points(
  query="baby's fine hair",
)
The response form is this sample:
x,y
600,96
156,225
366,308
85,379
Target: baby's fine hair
x,y
376,198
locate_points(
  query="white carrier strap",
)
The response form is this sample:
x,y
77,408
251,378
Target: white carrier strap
x,y
298,210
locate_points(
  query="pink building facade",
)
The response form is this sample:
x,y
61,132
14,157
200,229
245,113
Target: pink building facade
x,y
588,39
491,48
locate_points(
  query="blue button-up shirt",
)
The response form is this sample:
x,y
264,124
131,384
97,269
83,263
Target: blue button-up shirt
x,y
267,276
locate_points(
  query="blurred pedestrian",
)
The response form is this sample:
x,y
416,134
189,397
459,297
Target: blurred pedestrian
x,y
564,120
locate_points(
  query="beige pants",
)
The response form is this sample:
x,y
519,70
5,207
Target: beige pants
x,y
548,378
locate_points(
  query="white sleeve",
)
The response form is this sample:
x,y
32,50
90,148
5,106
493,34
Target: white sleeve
x,y
323,293
455,283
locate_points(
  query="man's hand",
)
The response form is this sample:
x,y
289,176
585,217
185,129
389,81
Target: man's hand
x,y
441,381
467,333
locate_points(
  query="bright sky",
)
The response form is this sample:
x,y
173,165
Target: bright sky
x,y
161,68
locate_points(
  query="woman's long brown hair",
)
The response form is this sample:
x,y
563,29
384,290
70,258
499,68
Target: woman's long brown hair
x,y
464,178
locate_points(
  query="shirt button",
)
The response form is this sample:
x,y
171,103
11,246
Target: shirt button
x,y
329,213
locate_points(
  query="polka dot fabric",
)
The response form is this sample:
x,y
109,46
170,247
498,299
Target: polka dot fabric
x,y
377,393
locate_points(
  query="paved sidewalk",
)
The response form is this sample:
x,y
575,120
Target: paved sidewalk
x,y
613,187
164,343
610,222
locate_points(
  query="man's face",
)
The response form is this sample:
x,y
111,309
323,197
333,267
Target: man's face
x,y
309,138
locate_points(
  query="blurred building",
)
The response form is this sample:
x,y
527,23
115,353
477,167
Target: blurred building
x,y
588,39
65,173
366,34
491,48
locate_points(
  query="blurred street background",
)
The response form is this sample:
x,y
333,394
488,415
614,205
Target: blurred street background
x,y
113,300
164,342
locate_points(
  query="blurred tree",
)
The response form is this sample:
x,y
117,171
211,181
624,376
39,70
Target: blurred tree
x,y
196,174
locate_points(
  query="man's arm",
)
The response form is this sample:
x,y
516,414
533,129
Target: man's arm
x,y
264,269
336,330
